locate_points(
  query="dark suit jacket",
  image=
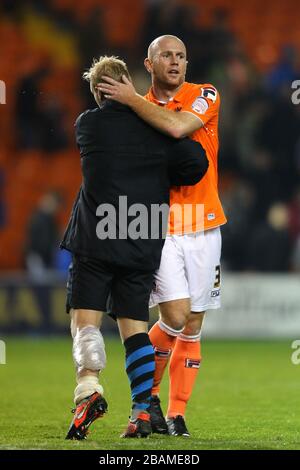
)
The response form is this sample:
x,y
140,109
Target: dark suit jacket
x,y
122,156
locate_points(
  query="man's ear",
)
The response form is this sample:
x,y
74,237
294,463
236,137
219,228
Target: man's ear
x,y
148,65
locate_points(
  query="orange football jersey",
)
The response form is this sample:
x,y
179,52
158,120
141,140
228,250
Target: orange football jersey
x,y
204,102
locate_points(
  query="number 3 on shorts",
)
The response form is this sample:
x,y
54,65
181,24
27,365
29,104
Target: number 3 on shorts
x,y
218,277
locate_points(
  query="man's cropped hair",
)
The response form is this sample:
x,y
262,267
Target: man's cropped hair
x,y
111,67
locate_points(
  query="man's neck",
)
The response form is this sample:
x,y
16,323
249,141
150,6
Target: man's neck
x,y
164,94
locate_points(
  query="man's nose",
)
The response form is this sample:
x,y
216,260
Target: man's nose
x,y
174,59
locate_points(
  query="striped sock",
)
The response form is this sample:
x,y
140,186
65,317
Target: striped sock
x,y
140,367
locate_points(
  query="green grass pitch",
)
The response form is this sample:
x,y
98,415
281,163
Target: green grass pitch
x,y
246,397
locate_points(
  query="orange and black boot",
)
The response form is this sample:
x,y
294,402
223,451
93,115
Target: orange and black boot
x,y
86,412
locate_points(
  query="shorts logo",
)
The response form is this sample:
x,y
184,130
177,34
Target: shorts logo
x,y
215,293
192,363
211,216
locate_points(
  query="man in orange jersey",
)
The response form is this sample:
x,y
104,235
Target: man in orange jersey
x,y
188,280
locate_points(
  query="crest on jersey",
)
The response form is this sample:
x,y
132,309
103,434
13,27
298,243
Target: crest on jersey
x,y
209,92
200,105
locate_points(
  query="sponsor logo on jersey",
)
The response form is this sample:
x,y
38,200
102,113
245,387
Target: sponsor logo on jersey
x,y
200,105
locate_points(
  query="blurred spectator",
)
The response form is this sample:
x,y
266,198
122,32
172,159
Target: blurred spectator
x,y
27,110
221,39
51,129
266,181
270,246
252,111
284,72
294,215
43,236
91,38
38,116
91,45
170,17
297,151
278,134
238,203
296,256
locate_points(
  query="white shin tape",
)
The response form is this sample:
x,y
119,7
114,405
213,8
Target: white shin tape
x,y
89,349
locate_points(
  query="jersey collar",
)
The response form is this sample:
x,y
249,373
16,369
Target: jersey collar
x,y
177,98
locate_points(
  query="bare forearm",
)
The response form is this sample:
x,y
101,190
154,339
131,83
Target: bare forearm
x,y
163,119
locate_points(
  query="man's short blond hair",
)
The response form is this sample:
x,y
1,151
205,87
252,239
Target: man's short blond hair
x,y
111,66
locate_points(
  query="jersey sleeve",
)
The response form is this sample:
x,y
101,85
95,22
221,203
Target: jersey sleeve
x,y
203,103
